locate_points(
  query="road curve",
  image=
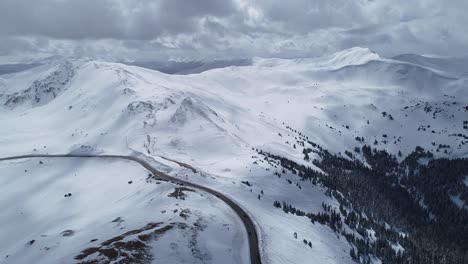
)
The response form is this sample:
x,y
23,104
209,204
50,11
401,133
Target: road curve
x,y
254,245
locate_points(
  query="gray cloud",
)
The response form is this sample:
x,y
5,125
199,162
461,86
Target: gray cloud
x,y
91,19
61,19
230,28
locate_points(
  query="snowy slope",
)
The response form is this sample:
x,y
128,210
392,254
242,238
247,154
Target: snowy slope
x,y
452,64
109,199
214,120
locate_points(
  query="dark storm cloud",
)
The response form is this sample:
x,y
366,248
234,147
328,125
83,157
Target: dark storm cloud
x,y
230,28
61,19
88,19
152,19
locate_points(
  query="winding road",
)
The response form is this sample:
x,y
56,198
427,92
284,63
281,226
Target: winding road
x,y
254,245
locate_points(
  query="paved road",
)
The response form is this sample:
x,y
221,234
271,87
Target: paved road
x,y
254,245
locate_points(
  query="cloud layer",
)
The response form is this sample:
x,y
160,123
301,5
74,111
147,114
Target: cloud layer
x,y
230,28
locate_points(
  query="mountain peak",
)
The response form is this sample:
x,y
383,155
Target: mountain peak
x,y
352,56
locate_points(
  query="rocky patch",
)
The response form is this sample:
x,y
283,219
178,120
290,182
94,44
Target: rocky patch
x,y
179,193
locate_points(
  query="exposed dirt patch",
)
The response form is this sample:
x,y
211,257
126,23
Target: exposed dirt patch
x,y
129,247
128,251
118,220
68,233
179,193
199,253
185,213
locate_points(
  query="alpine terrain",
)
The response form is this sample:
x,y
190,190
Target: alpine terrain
x,y
350,157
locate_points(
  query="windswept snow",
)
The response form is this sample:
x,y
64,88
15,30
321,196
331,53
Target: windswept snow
x,y
452,64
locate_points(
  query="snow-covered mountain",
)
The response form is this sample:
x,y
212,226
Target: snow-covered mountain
x,y
216,121
185,66
70,211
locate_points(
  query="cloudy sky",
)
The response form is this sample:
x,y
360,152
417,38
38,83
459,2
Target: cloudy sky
x,y
161,29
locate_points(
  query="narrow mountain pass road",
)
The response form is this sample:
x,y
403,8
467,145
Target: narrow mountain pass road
x,y
254,245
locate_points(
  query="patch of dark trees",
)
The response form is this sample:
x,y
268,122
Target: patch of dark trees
x,y
405,203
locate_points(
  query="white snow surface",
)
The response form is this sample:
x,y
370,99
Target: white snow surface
x,y
212,120
104,205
